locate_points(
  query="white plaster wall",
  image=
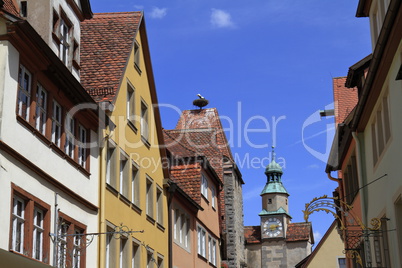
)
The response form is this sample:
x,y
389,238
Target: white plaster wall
x,y
383,193
23,141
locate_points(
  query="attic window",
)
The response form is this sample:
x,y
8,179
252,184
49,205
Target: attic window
x,y
137,56
24,9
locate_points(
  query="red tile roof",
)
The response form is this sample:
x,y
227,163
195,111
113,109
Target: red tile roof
x,y
206,119
252,234
188,178
299,231
11,7
345,99
195,142
106,43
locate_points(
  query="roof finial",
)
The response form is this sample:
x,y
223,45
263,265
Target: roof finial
x,y
273,153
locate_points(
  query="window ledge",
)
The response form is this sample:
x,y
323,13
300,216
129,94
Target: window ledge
x,y
137,68
124,199
145,141
150,219
132,126
112,189
136,208
206,199
160,227
202,257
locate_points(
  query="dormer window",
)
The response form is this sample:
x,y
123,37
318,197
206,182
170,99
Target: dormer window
x,y
62,29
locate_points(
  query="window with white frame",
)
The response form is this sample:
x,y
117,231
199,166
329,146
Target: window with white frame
x,y
123,252
135,184
41,107
130,104
124,174
213,197
160,261
144,121
82,144
137,55
381,129
110,248
111,164
150,259
18,218
212,250
56,123
70,126
24,92
204,186
136,255
181,229
64,49
62,244
201,235
150,197
159,205
38,230
77,248
342,262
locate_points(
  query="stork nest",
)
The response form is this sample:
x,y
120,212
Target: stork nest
x,y
200,102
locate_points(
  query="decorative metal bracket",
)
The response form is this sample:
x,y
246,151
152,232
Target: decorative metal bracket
x,y
333,205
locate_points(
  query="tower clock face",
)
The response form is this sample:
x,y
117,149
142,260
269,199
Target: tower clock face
x,y
272,227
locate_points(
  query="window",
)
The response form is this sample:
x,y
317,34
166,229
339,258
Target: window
x,y
160,261
351,179
123,252
124,174
111,165
30,221
135,184
70,123
150,193
135,263
24,92
56,123
110,248
159,205
204,186
18,218
71,248
144,121
381,129
201,241
150,259
213,193
38,230
41,106
130,104
181,229
64,41
137,54
24,9
82,150
342,262
212,250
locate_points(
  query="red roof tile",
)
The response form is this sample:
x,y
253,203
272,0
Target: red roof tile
x,y
345,99
299,231
252,234
11,7
106,43
187,177
206,119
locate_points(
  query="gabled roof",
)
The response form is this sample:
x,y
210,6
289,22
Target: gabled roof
x,y
10,6
206,119
195,142
252,234
106,43
300,231
345,99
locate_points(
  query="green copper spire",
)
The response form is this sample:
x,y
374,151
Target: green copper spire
x,y
274,177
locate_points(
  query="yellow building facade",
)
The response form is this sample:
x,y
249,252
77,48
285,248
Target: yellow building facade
x,y
133,205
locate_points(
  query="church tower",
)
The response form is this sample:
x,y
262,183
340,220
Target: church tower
x,y
274,214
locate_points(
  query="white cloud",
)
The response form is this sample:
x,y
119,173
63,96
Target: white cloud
x,y
253,193
317,237
158,13
221,19
313,166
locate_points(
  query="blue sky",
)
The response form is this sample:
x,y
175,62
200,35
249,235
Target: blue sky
x,y
267,66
